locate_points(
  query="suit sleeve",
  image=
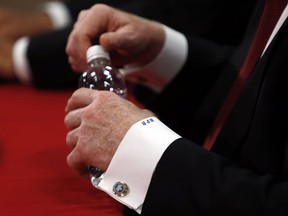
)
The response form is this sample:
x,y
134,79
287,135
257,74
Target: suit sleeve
x,y
49,62
192,181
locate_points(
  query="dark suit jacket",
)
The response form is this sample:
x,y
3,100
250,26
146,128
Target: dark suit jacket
x,y
246,171
221,22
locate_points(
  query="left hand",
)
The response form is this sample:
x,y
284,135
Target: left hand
x,y
128,38
97,121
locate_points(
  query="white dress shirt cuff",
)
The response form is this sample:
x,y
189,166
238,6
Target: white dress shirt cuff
x,y
20,62
135,160
58,13
159,72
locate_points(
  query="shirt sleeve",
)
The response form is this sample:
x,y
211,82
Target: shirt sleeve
x,y
20,61
58,13
135,160
159,72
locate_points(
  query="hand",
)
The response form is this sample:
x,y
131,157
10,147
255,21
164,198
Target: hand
x,y
128,38
15,24
97,122
6,60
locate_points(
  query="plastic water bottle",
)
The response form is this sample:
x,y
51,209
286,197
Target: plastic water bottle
x,y
101,75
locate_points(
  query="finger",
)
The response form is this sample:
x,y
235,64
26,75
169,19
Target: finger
x,y
123,38
76,52
80,98
72,119
76,64
82,14
78,42
72,139
74,161
118,52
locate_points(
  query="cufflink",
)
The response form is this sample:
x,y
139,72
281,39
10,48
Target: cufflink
x,y
120,189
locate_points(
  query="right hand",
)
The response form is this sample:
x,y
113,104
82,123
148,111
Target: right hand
x,y
130,39
97,121
15,23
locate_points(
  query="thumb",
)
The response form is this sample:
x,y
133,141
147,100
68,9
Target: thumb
x,y
118,46
110,41
123,40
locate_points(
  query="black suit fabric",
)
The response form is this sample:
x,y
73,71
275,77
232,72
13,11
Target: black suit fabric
x,y
246,171
49,62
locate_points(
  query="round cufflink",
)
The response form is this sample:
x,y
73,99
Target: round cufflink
x,y
120,189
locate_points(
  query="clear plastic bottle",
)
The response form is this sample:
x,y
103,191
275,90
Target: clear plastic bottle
x,y
101,75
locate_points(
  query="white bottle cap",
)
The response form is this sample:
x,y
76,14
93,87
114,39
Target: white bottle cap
x,y
96,51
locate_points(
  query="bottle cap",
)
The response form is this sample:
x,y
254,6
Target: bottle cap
x,y
96,51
